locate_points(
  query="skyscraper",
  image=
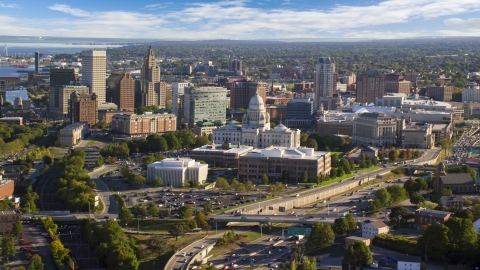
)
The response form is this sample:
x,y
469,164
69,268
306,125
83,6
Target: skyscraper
x,y
94,68
325,79
149,89
178,90
120,90
37,61
3,91
59,78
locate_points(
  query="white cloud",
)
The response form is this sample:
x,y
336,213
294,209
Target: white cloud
x,y
472,23
236,19
2,5
67,9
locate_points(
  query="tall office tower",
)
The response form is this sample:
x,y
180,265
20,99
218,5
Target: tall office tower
x,y
149,89
235,65
325,79
178,90
121,90
204,104
94,68
242,91
83,108
59,100
3,91
37,62
59,78
1,104
370,85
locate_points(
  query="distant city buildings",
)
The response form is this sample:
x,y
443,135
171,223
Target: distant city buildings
x,y
73,134
224,154
60,98
440,92
176,172
144,124
299,112
178,92
255,129
149,89
325,79
204,104
121,90
83,108
370,85
94,68
471,92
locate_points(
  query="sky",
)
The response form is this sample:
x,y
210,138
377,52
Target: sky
x,y
240,19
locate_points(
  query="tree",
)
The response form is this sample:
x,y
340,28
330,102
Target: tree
x,y
222,183
139,179
8,246
185,212
177,230
99,162
249,186
465,213
264,179
383,197
415,185
393,155
48,159
240,187
397,193
152,209
340,226
358,254
234,184
158,181
445,144
352,225
35,263
58,249
320,237
346,166
304,177
309,265
207,207
416,198
439,194
311,143
435,242
303,139
125,216
17,227
201,141
172,141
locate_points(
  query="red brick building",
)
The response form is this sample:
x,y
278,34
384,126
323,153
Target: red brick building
x,y
425,217
145,124
83,108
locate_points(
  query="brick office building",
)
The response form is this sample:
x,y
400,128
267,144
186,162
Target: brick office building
x,y
83,108
145,124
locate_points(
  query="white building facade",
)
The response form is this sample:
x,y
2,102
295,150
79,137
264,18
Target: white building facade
x,y
94,68
72,134
471,92
255,129
372,229
406,265
176,171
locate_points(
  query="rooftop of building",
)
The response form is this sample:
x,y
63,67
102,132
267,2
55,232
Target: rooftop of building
x,y
147,114
432,213
177,162
439,127
218,147
378,224
75,125
9,212
377,115
452,198
300,100
457,179
11,118
287,152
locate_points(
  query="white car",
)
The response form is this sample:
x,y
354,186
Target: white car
x,y
297,195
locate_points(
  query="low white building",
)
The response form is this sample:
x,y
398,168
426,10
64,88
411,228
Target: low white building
x,y
72,134
412,263
371,229
175,171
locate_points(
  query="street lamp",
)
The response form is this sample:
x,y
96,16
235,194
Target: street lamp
x,y
28,208
399,217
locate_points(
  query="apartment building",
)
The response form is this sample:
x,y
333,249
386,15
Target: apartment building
x,y
144,124
72,134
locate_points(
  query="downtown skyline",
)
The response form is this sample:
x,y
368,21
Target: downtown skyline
x,y
241,19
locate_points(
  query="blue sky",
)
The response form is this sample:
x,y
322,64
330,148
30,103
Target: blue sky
x,y
240,19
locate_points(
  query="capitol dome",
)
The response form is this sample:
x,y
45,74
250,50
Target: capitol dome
x,y
256,102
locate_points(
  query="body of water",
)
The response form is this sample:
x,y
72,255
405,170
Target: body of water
x,y
8,71
11,95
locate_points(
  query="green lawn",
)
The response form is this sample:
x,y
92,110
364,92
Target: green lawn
x,y
152,225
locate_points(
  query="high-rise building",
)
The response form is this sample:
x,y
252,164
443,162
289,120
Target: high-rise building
x,y
325,79
94,68
149,90
370,85
235,65
3,91
121,90
242,91
204,104
37,62
471,92
178,90
83,108
63,76
60,96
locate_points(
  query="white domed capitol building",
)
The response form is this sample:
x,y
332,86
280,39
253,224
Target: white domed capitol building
x,y
255,129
